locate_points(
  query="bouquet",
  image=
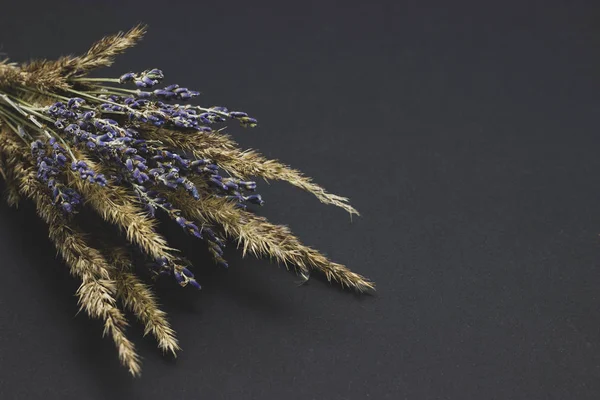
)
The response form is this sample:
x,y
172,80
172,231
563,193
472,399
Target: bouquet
x,y
132,149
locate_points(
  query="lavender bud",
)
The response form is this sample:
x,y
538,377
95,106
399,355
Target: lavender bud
x,y
179,278
195,284
255,199
143,95
128,77
248,185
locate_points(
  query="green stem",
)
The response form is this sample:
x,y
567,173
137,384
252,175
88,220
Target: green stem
x,y
18,129
35,92
35,111
112,80
41,127
83,94
118,89
14,118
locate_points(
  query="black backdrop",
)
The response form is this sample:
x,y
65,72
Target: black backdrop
x,y
465,133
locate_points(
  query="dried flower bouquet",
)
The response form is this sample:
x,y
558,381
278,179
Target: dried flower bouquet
x,y
129,151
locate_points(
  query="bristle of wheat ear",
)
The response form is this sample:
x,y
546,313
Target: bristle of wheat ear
x,y
140,300
12,186
227,154
103,52
47,75
258,236
97,290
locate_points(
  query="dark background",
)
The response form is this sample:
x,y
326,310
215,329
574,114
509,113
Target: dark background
x,y
465,133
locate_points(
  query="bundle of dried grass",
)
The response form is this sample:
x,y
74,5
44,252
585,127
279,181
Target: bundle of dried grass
x,y
66,138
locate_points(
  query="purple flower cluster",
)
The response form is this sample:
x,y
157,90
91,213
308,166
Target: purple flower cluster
x,y
144,79
86,173
182,275
236,190
108,127
138,161
141,162
151,107
147,166
50,166
158,112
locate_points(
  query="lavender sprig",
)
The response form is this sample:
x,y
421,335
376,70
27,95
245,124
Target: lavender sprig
x,y
183,276
49,167
152,201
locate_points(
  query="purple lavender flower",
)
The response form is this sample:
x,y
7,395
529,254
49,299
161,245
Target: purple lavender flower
x,y
143,163
144,79
128,77
87,174
50,166
183,117
182,275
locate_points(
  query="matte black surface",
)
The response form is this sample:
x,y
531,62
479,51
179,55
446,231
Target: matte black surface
x,y
466,134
